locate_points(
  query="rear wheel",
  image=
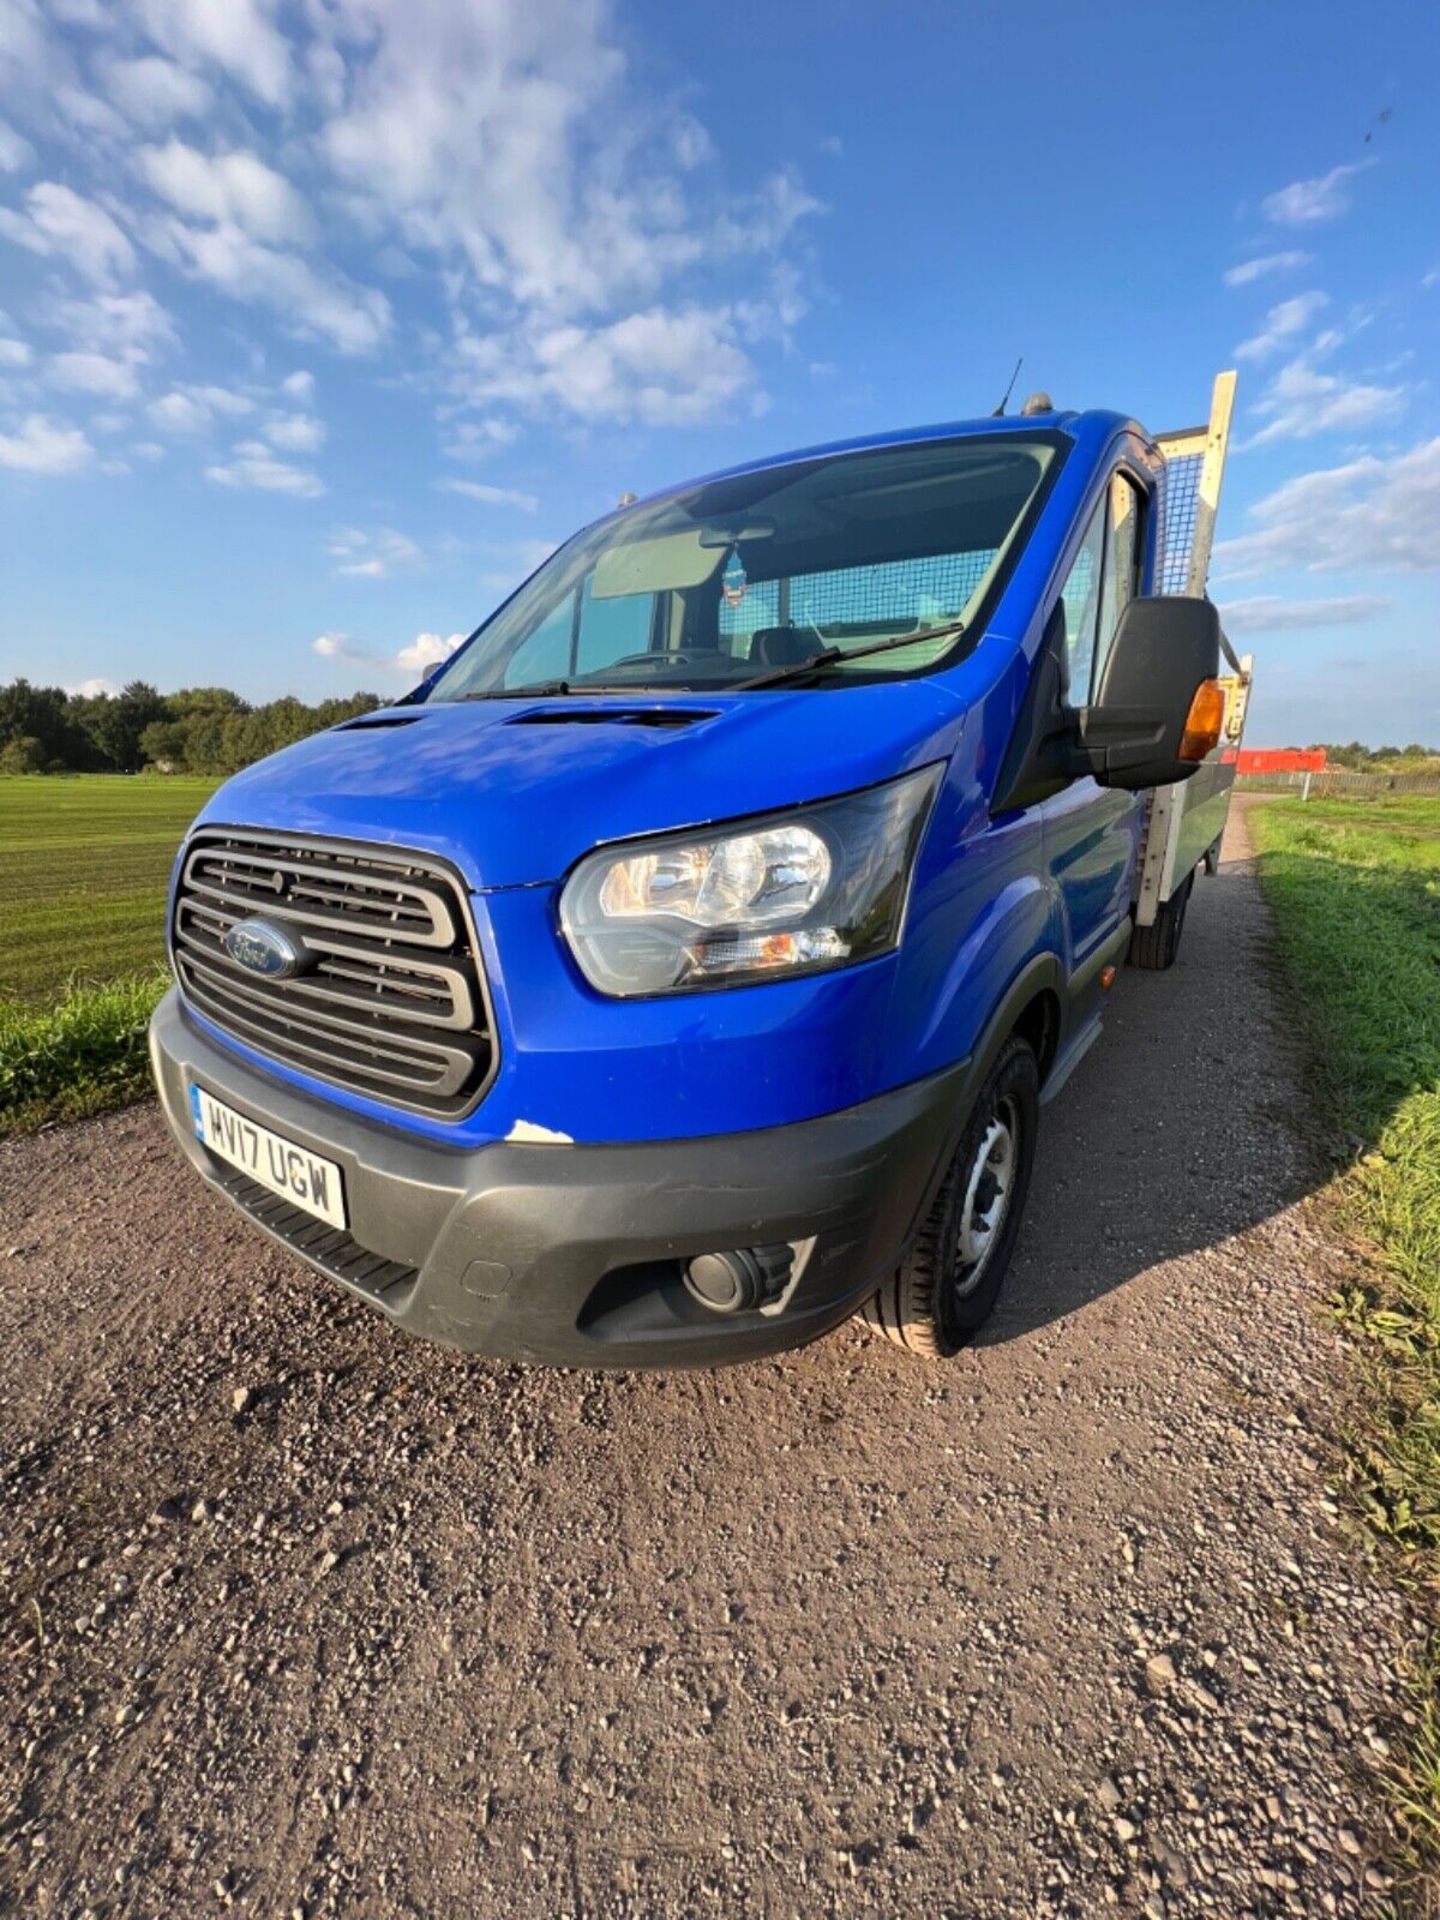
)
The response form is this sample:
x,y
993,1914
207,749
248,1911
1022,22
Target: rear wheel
x,y
946,1288
1155,947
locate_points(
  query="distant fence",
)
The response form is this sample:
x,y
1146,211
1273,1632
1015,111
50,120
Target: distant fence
x,y
1337,782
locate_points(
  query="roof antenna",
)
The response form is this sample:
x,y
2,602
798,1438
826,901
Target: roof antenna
x,y
999,413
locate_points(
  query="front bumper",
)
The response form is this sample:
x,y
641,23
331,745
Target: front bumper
x,y
573,1255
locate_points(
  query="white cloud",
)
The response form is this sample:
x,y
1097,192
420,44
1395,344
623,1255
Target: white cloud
x,y
14,353
1282,323
133,325
425,651
148,450
490,496
177,413
59,221
94,687
229,189
222,400
659,367
94,117
510,145
43,445
155,92
191,409
1306,203
252,464
1270,613
97,373
1301,402
352,318
370,555
296,433
1248,271
1372,513
483,134
570,215
299,385
479,439
240,37
113,336
15,151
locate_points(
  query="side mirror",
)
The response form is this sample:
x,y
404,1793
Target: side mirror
x,y
1156,712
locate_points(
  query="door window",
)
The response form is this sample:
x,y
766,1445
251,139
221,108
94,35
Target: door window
x,y
608,628
1081,595
1103,579
1121,579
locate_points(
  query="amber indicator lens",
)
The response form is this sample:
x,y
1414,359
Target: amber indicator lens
x,y
1204,721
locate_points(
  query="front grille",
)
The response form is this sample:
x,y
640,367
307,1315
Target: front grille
x,y
329,1248
389,1000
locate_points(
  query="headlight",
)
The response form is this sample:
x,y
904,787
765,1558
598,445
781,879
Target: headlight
x,y
823,886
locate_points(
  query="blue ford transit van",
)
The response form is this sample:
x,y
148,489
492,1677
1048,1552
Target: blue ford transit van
x,y
683,966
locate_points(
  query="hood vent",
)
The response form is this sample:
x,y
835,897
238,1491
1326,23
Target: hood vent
x,y
662,717
372,722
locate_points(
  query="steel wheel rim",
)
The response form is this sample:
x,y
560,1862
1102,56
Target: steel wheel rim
x,y
989,1190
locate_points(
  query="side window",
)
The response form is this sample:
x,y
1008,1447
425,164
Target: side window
x,y
612,627
1103,579
1081,594
544,653
1123,551
609,628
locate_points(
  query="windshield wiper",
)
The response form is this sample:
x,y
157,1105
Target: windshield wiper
x,y
829,656
542,689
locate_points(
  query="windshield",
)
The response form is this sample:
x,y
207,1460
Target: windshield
x,y
725,581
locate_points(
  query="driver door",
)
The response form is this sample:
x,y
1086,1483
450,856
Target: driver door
x,y
1091,833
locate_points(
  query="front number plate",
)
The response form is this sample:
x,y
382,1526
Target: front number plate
x,y
290,1171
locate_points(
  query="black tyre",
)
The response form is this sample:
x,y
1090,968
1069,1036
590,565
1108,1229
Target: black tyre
x,y
1154,947
947,1286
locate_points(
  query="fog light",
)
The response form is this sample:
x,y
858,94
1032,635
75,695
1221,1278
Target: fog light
x,y
737,1282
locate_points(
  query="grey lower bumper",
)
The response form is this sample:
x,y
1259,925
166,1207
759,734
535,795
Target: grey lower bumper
x,y
573,1255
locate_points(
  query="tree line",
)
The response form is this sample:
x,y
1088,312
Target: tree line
x,y
210,730
205,730
1358,758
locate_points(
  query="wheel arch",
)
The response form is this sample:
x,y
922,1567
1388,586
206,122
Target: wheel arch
x,y
1033,1006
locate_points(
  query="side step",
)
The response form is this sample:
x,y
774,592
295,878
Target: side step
x,y
1079,1046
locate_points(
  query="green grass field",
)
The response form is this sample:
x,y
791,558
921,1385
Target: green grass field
x,y
1355,889
84,863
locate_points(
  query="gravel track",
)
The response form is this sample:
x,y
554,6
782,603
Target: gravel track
x,y
303,1618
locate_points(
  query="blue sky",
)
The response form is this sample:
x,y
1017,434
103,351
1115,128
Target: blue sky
x,y
324,319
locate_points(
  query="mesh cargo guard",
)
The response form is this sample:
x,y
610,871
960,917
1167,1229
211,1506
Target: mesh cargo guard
x,y
389,999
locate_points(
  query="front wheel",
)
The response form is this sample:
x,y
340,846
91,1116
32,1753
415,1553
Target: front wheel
x,y
946,1288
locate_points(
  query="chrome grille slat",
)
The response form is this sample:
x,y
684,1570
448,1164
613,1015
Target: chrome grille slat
x,y
378,1040
391,1000
440,996
382,904
350,1062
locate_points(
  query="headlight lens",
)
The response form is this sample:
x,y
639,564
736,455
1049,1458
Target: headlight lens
x,y
820,887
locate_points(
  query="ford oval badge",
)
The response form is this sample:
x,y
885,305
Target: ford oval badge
x,y
261,947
